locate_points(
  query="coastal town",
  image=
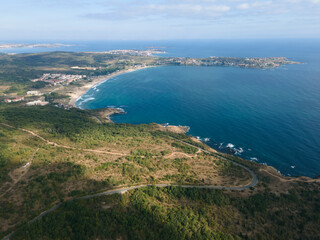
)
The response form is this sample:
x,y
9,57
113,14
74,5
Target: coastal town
x,y
38,98
148,52
54,79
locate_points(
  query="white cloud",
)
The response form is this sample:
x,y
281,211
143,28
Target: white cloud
x,y
169,10
185,8
303,1
243,6
202,10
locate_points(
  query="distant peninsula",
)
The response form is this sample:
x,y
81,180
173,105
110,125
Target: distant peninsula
x,y
269,62
36,45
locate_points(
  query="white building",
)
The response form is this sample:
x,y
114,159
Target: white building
x,y
36,103
33,93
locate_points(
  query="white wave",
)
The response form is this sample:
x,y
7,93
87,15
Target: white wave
x,y
293,166
80,98
230,145
98,84
87,100
206,139
254,159
239,151
121,109
95,89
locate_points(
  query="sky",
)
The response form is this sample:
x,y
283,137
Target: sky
x,y
158,19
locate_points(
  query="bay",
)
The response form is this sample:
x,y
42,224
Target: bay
x,y
272,115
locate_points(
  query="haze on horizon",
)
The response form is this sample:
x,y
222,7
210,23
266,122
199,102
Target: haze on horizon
x,y
158,20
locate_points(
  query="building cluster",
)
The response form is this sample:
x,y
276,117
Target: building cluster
x,y
86,68
33,98
16,99
36,103
64,106
58,78
33,93
148,52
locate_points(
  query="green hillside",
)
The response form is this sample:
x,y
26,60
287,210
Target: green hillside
x,y
50,156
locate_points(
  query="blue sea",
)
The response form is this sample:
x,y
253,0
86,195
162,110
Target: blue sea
x,y
269,116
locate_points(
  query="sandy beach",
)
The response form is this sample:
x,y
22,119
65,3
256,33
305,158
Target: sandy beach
x,y
79,91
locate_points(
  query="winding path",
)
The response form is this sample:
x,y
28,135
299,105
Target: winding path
x,y
124,190
24,172
63,146
252,173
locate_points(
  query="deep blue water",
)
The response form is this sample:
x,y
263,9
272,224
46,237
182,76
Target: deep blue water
x,y
273,115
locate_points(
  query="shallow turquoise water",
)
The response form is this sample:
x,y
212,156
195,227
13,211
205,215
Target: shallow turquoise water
x,y
273,115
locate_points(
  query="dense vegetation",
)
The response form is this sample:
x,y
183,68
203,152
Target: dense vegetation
x,y
271,210
177,213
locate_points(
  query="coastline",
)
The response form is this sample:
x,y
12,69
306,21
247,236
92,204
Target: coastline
x,y
106,113
79,91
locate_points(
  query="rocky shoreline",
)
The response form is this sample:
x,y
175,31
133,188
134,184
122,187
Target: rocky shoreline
x,y
103,115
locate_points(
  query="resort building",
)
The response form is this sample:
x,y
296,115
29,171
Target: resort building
x,y
36,103
33,93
